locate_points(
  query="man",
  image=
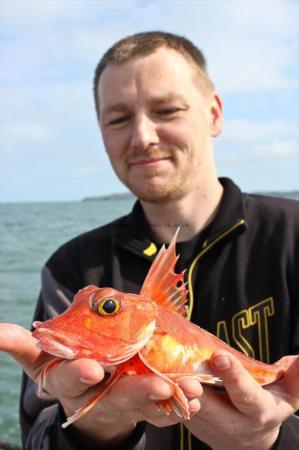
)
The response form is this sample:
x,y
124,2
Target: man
x,y
158,112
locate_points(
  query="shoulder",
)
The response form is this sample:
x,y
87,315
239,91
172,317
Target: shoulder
x,y
97,239
272,220
84,259
92,249
270,209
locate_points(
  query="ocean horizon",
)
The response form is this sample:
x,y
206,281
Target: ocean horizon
x,y
127,195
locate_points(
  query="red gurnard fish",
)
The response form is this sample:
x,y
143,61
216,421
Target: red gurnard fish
x,y
148,333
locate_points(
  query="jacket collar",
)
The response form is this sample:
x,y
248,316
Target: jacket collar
x,y
135,232
230,211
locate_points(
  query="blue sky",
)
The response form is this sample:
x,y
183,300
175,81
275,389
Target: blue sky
x,y
50,145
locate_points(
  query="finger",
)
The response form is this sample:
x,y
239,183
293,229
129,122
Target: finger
x,y
244,391
141,398
156,415
73,378
194,406
15,340
191,386
21,345
132,392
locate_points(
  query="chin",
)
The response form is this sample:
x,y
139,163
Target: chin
x,y
156,194
154,187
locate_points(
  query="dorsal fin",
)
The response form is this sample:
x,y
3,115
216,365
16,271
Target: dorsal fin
x,y
162,284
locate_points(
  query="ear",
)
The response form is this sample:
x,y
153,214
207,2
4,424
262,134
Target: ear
x,y
216,115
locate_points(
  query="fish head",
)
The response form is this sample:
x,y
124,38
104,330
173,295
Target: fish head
x,y
101,323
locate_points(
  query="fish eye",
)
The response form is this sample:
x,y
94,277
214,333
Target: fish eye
x,y
107,306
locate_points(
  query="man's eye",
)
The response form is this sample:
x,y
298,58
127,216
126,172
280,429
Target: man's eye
x,y
119,120
168,111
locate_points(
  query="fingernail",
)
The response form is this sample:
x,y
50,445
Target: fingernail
x,y
222,362
86,381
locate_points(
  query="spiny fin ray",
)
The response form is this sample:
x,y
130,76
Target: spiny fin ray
x,y
162,284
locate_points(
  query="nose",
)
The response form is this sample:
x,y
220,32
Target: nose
x,y
144,133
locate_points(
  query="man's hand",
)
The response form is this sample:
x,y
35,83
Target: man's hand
x,y
131,400
247,416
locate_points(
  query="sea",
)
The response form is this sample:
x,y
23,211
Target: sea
x,y
29,233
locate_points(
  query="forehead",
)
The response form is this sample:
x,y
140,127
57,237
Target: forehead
x,y
163,71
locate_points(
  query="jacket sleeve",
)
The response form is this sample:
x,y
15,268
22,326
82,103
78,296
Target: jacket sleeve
x,y
289,434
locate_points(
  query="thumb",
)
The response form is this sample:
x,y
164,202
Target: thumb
x,y
21,345
244,391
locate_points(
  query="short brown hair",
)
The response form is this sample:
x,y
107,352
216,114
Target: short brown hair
x,y
142,44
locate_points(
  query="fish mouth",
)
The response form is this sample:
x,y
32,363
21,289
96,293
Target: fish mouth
x,y
58,344
55,343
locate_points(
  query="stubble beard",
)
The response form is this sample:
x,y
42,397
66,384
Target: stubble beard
x,y
152,190
156,186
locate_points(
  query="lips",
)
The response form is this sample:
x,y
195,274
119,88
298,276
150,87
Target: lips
x,y
54,343
148,160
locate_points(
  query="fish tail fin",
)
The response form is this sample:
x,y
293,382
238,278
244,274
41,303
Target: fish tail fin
x,y
280,367
162,284
286,362
286,388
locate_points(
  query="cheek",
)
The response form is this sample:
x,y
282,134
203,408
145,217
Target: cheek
x,y
115,143
175,135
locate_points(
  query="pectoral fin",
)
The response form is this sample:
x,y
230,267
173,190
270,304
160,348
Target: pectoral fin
x,y
131,367
41,391
178,403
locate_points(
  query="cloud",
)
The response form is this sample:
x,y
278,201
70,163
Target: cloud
x,y
28,131
22,13
286,150
49,50
276,149
245,141
246,131
249,45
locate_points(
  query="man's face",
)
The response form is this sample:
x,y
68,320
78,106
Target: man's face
x,y
157,125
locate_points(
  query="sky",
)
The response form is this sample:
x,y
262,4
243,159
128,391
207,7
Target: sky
x,y
50,145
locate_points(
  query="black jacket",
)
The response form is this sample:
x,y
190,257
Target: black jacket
x,y
243,286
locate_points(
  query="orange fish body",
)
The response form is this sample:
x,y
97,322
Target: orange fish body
x,y
140,334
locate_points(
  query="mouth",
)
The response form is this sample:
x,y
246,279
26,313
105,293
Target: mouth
x,y
148,161
54,343
58,344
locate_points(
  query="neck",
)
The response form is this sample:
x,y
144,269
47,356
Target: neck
x,y
192,213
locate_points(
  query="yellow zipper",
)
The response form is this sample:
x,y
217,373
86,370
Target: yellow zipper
x,y
205,248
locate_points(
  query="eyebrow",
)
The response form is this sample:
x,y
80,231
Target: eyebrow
x,y
115,107
169,97
158,100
